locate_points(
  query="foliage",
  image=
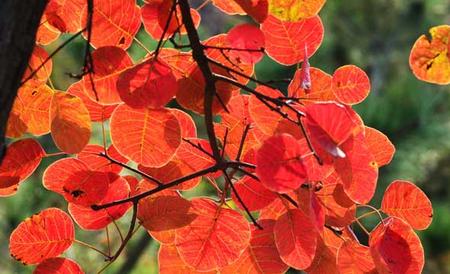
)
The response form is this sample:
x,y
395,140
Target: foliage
x,y
305,161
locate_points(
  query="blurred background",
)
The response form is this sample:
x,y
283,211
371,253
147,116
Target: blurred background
x,y
376,35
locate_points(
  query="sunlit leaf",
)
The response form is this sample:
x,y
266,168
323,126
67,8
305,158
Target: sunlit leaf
x,y
119,19
44,235
405,200
149,84
353,257
20,161
90,219
216,238
73,179
296,238
351,85
294,10
396,248
320,90
247,42
58,266
286,41
279,164
261,256
146,136
429,58
379,145
70,122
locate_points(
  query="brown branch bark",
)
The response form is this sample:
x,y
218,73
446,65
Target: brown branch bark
x,y
19,21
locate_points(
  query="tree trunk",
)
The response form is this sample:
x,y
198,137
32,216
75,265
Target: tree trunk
x,y
19,21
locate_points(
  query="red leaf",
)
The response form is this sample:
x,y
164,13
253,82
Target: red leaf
x,y
120,19
149,84
246,40
405,200
340,210
329,126
155,15
351,85
229,7
296,238
379,145
187,124
257,9
254,195
109,63
44,235
89,219
285,41
21,160
261,256
73,179
358,170
279,164
90,156
396,248
216,238
147,136
58,266
355,258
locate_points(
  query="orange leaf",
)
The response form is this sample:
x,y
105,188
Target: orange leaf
x,y
405,200
279,164
216,238
21,160
169,262
163,215
44,235
70,123
351,85
37,58
97,112
320,90
119,19
294,10
58,266
353,257
33,106
73,179
296,238
429,59
339,209
69,13
229,7
147,136
261,256
46,33
379,145
286,41
396,248
89,219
